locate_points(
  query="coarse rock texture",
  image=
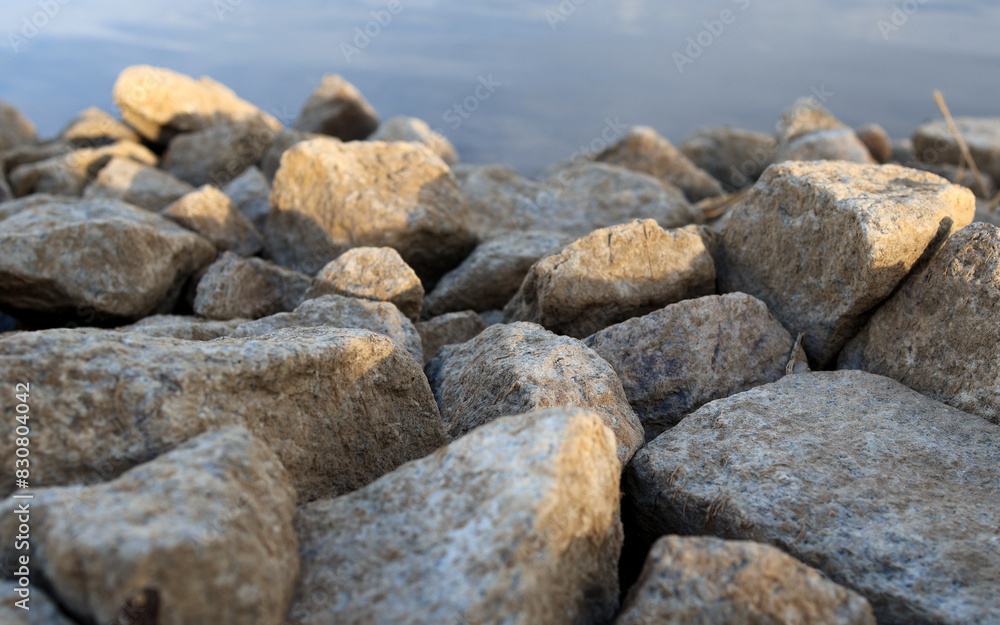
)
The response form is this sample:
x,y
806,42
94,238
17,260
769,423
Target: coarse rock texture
x,y
42,610
211,213
939,333
251,288
806,131
417,131
824,243
611,275
886,491
448,329
184,327
6,194
69,174
144,186
521,367
877,140
337,311
675,360
516,523
13,207
160,103
960,175
735,157
933,142
330,196
338,109
93,127
15,128
203,533
374,273
492,273
99,259
644,150
340,407
283,140
218,154
251,194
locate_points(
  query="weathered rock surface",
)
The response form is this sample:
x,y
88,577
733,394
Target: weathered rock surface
x,y
337,108
339,407
938,334
515,523
235,287
733,156
962,176
93,127
33,152
251,194
611,275
330,196
877,140
203,534
218,154
448,329
211,213
283,140
886,491
103,260
520,367
15,128
43,611
6,194
807,131
144,186
824,243
674,360
373,273
70,173
184,327
933,142
417,131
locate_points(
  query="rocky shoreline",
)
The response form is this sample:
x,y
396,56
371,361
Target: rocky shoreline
x,y
325,373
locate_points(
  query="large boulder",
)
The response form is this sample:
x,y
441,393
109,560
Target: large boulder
x,y
374,273
516,523
15,128
70,173
93,127
448,329
251,194
138,184
886,491
337,108
733,156
235,287
184,327
933,142
218,154
806,131
824,243
417,131
211,213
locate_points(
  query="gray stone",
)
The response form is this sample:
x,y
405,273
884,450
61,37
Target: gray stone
x,y
960,175
144,186
735,157
877,140
448,329
251,194
218,154
6,194
417,131
282,141
93,127
808,132
184,327
933,142
33,152
211,213
251,288
337,108
15,128
69,174
42,610
373,273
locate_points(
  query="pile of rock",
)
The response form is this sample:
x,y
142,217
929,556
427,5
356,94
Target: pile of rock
x,y
327,374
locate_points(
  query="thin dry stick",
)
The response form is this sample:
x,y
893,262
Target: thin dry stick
x,y
961,142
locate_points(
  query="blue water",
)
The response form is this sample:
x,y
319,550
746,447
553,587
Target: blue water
x,y
564,70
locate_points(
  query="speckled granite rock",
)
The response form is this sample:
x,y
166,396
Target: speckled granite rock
x,y
337,108
807,131
235,287
373,273
251,194
735,157
211,213
42,610
141,185
416,130
69,174
448,329
218,154
184,327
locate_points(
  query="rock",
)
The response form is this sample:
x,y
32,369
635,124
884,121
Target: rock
x,y
517,522
337,108
6,194
339,407
808,132
42,611
96,260
13,207
373,273
933,142
337,311
15,128
330,196
732,156
644,150
251,194
93,127
675,360
706,580
184,327
491,275
824,243
610,275
520,367
70,173
983,214
283,140
902,152
218,154
144,186
492,317
417,131
937,334
160,103
886,491
962,176
877,140
448,329
211,213
203,534
27,153
250,288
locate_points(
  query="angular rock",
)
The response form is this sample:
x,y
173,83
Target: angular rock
x,y
448,329
13,207
808,132
877,140
15,128
611,275
218,154
184,327
734,157
211,213
824,243
283,140
938,334
251,194
101,260
330,196
677,359
339,407
33,152
373,273
886,491
705,580
93,127
337,108
417,131
933,142
70,173
962,176
251,288
520,367
202,534
42,610
516,523
144,186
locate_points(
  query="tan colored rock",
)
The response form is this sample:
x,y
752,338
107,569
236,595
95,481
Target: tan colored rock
x,y
283,140
251,288
330,196
938,334
700,580
42,610
807,131
448,329
141,185
211,213
95,260
675,360
339,407
517,522
611,275
251,194
373,273
218,154
877,140
183,327
15,128
417,131
824,243
520,367
735,157
933,142
337,108
92,127
70,173
203,533
884,490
